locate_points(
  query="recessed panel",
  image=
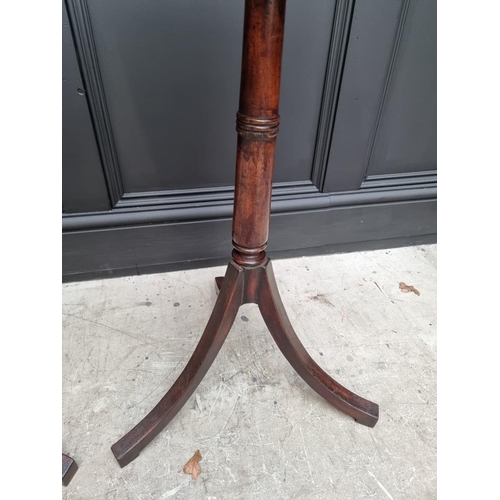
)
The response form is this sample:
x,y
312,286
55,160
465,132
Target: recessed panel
x,y
406,137
83,184
171,73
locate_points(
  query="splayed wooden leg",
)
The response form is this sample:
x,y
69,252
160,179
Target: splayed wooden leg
x,y
249,278
363,411
129,446
273,311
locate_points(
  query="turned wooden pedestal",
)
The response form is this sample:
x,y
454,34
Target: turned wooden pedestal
x,y
249,277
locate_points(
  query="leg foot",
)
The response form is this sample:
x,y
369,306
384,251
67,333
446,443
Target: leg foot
x,y
69,469
363,411
228,302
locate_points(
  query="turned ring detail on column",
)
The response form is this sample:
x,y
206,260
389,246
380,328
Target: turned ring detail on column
x,y
267,126
249,276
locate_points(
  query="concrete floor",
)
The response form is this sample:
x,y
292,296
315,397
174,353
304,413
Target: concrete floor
x,y
262,432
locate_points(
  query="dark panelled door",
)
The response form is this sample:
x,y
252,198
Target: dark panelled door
x,y
150,94
385,126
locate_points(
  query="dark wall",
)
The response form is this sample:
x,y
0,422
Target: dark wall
x,y
150,93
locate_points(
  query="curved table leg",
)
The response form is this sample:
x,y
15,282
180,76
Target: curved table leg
x,y
69,469
273,311
228,302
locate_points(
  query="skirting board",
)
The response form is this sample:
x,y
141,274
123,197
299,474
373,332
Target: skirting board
x,y
151,248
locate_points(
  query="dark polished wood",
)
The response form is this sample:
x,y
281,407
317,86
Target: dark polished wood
x,y
219,324
69,469
257,123
242,285
273,311
249,277
363,411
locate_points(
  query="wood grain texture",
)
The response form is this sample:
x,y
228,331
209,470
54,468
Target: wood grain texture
x,y
249,403
257,125
242,285
228,302
249,277
363,411
174,209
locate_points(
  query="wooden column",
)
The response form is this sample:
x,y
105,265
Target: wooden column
x,y
257,125
249,276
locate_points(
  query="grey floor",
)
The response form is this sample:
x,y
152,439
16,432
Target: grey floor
x,y
262,432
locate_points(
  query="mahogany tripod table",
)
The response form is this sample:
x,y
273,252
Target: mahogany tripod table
x,y
249,277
